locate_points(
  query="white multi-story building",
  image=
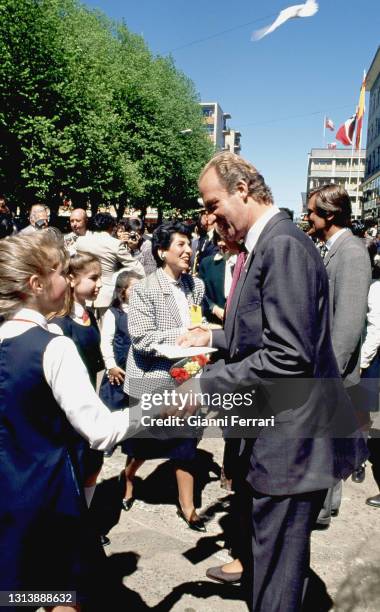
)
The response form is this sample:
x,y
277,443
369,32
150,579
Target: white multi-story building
x,y
339,166
371,184
222,137
232,141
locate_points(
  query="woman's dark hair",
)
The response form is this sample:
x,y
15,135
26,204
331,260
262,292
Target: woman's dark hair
x,y
103,222
163,235
7,226
358,228
122,283
134,224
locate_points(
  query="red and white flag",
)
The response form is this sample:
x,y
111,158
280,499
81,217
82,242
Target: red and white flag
x,y
331,145
346,131
329,124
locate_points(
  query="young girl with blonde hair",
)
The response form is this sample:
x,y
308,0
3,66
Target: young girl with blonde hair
x,y
79,324
46,539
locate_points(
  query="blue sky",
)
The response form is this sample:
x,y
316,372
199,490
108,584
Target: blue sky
x,y
277,89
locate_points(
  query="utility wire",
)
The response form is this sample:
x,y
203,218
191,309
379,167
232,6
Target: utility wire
x,y
320,112
217,34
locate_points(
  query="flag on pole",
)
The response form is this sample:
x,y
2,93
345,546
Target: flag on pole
x,y
360,114
331,145
329,124
346,131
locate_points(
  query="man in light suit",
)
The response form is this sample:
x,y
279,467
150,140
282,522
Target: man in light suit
x,y
113,256
38,219
278,342
349,272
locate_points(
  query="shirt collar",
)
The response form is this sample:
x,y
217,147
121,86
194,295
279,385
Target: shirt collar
x,y
172,281
254,232
335,237
31,315
77,310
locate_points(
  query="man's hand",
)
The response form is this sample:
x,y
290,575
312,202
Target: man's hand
x,y
198,335
218,312
186,402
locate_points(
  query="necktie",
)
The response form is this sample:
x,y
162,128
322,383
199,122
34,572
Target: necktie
x,y
85,317
241,259
323,250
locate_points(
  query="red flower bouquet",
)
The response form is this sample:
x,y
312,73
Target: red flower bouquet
x,y
188,367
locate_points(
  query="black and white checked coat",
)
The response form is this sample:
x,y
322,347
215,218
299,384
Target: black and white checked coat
x,y
153,318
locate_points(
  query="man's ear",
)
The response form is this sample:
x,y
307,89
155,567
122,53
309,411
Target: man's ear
x,y
36,284
242,190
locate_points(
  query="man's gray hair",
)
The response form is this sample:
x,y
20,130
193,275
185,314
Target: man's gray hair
x,y
232,169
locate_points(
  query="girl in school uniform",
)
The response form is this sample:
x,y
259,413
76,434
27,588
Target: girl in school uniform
x,y
46,540
115,342
79,324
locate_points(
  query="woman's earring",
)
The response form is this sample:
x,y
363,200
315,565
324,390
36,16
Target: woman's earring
x,y
163,256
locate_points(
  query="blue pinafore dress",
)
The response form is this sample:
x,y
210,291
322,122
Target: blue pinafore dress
x,y
46,539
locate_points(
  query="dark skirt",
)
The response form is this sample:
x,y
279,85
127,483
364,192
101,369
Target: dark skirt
x,y
178,449
112,396
149,447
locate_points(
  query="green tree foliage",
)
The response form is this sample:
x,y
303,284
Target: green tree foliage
x,y
88,110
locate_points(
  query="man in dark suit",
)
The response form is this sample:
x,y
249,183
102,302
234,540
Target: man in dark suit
x,y
279,347
205,245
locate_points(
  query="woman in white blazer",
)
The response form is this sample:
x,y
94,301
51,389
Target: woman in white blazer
x,y
159,312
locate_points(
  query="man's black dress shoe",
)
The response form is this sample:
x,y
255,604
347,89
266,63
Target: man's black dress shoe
x,y
358,475
216,573
104,540
127,504
374,501
321,526
195,522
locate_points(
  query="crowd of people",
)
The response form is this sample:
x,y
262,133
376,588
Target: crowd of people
x,y
295,317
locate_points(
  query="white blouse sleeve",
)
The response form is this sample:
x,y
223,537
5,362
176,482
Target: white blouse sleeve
x,y
67,376
107,337
371,342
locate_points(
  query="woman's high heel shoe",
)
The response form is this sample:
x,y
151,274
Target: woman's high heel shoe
x,y
195,522
127,504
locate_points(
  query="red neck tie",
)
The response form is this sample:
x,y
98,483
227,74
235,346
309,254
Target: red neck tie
x,y
241,258
85,317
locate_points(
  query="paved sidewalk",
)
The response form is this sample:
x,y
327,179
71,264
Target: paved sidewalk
x,y
160,563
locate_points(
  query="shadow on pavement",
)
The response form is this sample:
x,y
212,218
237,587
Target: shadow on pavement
x,y
316,597
115,595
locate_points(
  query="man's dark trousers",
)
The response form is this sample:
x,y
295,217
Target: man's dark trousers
x,y
281,563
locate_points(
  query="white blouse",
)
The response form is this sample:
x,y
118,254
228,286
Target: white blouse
x,y
68,379
107,337
371,342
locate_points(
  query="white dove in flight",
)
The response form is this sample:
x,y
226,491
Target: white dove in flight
x,y
308,9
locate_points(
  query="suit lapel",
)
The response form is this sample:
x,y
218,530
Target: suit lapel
x,y
231,315
336,246
168,296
